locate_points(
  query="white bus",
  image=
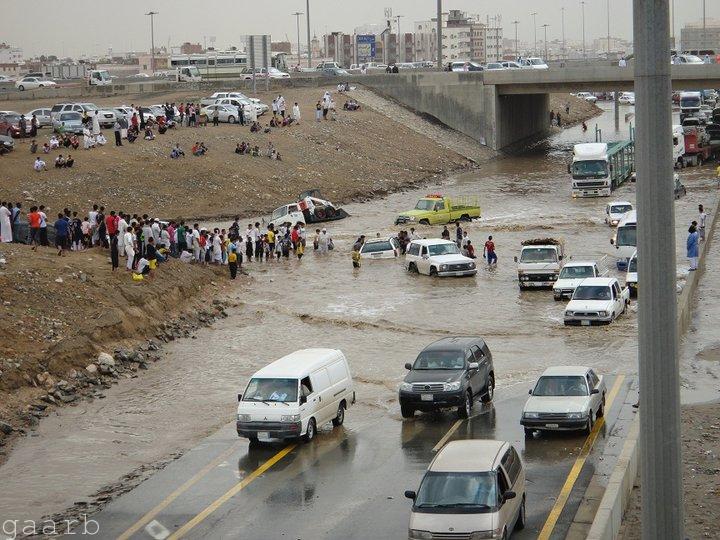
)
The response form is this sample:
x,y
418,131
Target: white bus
x,y
221,64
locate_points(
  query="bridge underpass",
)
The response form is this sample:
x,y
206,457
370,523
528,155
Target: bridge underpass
x,y
502,109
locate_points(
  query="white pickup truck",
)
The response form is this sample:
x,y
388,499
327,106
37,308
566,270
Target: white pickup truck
x,y
571,275
437,257
539,263
597,301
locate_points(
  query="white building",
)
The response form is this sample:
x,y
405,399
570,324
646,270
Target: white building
x,y
10,55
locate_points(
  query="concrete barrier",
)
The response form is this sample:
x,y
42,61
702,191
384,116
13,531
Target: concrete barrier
x,y
608,518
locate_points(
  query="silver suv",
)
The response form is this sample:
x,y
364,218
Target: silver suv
x,y
106,117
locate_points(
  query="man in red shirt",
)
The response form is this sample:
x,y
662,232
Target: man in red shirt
x,y
111,224
34,220
489,251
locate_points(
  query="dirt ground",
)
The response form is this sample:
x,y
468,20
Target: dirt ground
x,y
701,476
579,109
359,153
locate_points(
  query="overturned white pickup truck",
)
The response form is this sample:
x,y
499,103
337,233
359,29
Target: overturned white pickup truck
x,y
310,208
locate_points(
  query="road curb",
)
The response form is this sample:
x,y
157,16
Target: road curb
x,y
608,518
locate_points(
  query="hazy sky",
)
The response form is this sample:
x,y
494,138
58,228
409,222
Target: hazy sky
x,y
74,27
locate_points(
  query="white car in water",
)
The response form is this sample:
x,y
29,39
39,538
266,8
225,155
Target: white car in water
x,y
437,257
565,398
627,98
598,300
571,275
615,211
380,248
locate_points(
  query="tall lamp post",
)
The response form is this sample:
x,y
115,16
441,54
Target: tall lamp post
x,y
562,24
608,28
152,39
297,20
401,43
545,27
439,35
534,15
517,55
307,10
582,5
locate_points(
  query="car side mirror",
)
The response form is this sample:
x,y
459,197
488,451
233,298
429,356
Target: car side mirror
x,y
569,169
612,242
594,391
515,259
408,366
473,365
509,495
239,397
530,391
560,257
303,400
410,494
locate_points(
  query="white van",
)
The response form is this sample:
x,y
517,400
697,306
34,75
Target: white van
x,y
294,395
625,239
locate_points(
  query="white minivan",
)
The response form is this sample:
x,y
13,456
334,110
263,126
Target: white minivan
x,y
294,395
625,239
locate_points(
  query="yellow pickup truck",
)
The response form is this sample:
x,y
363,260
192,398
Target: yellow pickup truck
x,y
434,209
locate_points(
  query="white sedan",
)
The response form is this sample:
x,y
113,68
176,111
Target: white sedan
x,y
587,96
627,98
565,398
597,301
31,83
226,113
380,248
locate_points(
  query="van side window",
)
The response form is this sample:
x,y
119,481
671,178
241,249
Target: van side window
x,y
502,485
306,387
424,250
594,380
511,464
478,352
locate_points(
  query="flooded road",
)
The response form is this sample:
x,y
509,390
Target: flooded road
x,y
380,316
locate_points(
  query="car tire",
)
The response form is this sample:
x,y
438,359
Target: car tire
x,y
21,88
520,523
412,268
589,425
406,412
465,218
528,433
490,394
465,409
424,222
310,431
253,440
41,85
340,418
601,409
557,297
433,271
231,119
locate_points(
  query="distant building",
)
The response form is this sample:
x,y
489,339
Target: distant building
x,y
191,48
340,47
425,41
162,62
617,45
694,38
10,55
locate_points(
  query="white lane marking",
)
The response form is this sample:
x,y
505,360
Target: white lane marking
x,y
157,530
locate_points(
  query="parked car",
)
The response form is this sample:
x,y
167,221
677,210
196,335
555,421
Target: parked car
x,y
450,373
533,63
571,275
472,488
597,301
123,111
10,123
511,65
4,79
680,190
260,73
565,398
43,116
226,113
465,66
615,211
435,209
490,66
31,83
687,59
245,103
139,76
8,143
328,65
106,116
334,72
587,96
631,276
293,396
437,257
380,248
68,122
627,98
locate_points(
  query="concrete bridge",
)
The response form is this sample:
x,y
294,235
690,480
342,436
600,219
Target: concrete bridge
x,y
501,109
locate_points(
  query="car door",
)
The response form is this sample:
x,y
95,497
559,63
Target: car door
x,y
479,376
594,398
423,264
513,468
618,299
507,508
321,384
594,383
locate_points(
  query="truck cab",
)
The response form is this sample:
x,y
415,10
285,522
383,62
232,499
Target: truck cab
x,y
99,77
437,257
435,209
596,301
590,170
188,74
571,275
539,263
690,103
615,211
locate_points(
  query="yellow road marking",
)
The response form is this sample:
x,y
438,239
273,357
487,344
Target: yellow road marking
x,y
217,503
175,494
578,465
442,441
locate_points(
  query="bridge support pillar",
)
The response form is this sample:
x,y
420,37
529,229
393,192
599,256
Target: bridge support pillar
x,y
617,110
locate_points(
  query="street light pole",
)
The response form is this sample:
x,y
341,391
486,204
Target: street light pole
x,y
517,55
608,25
660,451
439,35
562,22
545,27
307,10
704,29
297,20
534,15
152,39
400,41
583,29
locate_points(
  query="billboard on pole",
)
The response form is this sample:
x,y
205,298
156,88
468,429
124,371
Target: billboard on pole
x,y
258,51
365,48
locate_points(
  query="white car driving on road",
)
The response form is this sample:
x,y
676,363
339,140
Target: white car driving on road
x,y
380,248
31,83
587,96
615,211
598,300
437,257
565,398
571,275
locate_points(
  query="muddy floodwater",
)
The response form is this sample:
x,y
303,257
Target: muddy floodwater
x,y
380,316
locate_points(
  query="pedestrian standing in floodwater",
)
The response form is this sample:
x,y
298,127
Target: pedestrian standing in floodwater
x,y
559,120
692,247
357,246
489,251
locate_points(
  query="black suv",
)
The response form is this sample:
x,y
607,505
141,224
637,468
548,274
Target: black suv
x,y
450,372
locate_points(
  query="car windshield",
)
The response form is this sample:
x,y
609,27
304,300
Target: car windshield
x,y
374,247
444,249
440,360
457,490
70,116
279,212
576,272
88,107
632,265
536,62
12,118
425,204
627,236
584,169
279,390
620,208
592,292
538,255
692,59
692,101
560,385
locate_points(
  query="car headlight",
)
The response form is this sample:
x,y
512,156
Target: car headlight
x,y
448,387
414,534
602,313
405,387
443,267
479,535
553,278
243,417
531,415
471,265
614,222
576,415
290,418
569,313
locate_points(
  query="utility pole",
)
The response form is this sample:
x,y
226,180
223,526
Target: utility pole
x,y
152,39
400,41
297,20
704,29
439,35
516,39
660,467
608,25
582,4
545,27
307,10
562,22
534,15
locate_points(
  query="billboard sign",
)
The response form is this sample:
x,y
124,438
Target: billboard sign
x,y
365,48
